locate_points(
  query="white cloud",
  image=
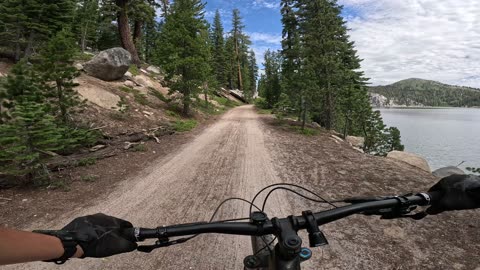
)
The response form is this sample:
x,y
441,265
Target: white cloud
x,y
272,4
430,39
265,38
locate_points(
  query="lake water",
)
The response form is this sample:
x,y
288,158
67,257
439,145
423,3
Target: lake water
x,y
445,137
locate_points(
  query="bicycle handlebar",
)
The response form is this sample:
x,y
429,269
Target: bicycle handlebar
x,y
298,222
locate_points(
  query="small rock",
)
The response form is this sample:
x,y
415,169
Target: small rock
x,y
359,150
2,75
97,147
128,74
78,66
316,125
24,200
144,71
342,172
148,113
129,84
144,81
153,69
336,138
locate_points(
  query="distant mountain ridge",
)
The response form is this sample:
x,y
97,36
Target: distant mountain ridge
x,y
419,92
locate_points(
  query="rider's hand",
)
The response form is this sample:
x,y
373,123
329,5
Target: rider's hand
x,y
458,192
103,235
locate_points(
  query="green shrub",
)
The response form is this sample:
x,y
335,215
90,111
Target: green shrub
x,y
89,178
126,89
134,70
83,56
87,161
184,125
140,148
261,103
158,95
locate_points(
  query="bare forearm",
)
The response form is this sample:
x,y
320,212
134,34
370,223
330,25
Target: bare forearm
x,y
20,247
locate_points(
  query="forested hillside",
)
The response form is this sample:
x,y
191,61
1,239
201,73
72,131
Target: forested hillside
x,y
41,110
429,93
316,77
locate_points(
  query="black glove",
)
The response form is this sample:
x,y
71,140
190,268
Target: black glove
x,y
458,192
101,235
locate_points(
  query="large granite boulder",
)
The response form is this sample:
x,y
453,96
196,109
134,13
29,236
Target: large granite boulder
x,y
410,158
109,65
447,171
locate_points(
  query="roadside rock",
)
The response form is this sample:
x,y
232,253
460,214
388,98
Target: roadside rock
x,y
153,69
2,75
357,142
447,171
129,84
144,81
316,125
109,65
410,158
78,66
129,75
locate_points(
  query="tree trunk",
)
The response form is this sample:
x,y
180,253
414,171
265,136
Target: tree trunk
x,y
240,81
61,103
28,50
124,31
304,113
137,32
17,45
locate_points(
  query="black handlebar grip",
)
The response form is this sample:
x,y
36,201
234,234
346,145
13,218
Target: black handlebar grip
x,y
130,234
435,196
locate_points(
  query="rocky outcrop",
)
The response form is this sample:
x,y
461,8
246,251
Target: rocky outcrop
x,y
109,65
447,171
410,158
357,142
153,69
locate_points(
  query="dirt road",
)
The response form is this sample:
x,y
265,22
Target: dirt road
x,y
243,152
229,159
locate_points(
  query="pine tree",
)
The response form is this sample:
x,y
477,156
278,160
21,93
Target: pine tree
x,y
22,141
253,75
22,84
30,22
272,82
291,54
218,50
57,74
185,52
87,16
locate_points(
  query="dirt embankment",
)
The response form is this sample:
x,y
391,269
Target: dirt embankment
x,y
240,154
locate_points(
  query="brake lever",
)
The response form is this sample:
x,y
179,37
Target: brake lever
x,y
162,242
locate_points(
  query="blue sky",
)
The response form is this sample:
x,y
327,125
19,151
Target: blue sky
x,y
398,39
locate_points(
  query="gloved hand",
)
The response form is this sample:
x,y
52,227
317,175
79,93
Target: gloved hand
x,y
101,235
458,192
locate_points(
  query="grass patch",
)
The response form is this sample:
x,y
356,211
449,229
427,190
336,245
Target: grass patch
x,y
225,101
140,148
158,95
87,162
89,178
59,184
137,95
264,111
184,125
306,131
141,98
83,56
134,70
